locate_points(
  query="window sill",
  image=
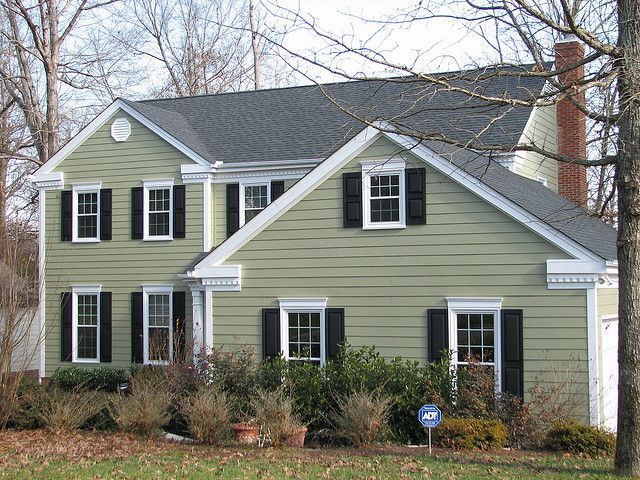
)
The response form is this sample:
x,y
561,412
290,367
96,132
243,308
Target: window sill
x,y
158,363
157,239
85,240
384,226
82,360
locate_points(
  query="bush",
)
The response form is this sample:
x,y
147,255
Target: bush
x,y
274,411
574,437
63,411
27,413
207,414
146,409
362,417
100,378
471,433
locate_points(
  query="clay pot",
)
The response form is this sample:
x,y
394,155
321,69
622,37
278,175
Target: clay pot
x,y
245,433
296,439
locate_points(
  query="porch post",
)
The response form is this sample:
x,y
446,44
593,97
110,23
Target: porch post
x,y
208,320
198,322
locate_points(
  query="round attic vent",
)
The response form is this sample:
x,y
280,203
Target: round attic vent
x,y
120,129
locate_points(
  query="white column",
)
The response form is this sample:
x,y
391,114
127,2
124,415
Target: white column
x,y
208,321
198,322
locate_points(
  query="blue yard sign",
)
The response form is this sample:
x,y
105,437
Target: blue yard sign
x,y
429,416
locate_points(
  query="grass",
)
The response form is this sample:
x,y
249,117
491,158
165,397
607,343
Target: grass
x,y
99,455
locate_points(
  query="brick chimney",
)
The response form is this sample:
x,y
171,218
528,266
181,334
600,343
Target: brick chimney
x,y
572,125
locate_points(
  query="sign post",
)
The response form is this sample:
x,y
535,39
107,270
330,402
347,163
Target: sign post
x,y
429,416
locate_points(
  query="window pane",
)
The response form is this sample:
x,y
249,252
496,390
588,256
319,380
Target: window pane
x,y
487,321
87,343
158,224
463,320
463,337
159,310
475,337
385,202
255,200
487,338
88,310
158,343
304,335
87,218
159,211
474,321
87,331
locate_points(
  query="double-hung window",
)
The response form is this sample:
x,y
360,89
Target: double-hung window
x,y
158,324
474,332
86,212
255,198
158,209
86,323
383,184
303,329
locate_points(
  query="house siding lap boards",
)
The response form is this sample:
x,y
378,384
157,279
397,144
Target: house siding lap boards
x,y
541,131
386,280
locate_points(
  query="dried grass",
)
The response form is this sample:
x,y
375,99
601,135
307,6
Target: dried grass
x,y
208,416
362,417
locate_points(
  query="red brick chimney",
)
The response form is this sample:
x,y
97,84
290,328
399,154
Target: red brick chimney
x,y
572,125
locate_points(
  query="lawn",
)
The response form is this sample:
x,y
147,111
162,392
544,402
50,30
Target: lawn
x,y
86,455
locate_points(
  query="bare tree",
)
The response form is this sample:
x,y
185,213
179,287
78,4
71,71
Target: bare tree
x,y
254,45
516,32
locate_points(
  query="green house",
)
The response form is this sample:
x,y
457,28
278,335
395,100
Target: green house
x,y
276,220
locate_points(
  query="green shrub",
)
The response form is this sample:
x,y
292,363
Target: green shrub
x,y
362,417
471,433
274,412
27,414
99,378
207,415
575,437
63,411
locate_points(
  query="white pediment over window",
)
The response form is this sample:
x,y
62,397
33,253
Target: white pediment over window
x,y
120,129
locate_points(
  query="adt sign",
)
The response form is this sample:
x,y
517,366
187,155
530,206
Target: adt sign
x,y
429,416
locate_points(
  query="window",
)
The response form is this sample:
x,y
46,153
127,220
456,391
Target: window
x,y
474,332
158,206
383,194
158,324
86,323
302,329
86,208
256,197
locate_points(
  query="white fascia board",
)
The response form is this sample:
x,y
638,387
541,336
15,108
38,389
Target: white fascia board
x,y
216,278
229,167
98,122
573,273
289,198
48,181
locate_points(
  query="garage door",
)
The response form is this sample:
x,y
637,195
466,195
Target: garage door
x,y
610,371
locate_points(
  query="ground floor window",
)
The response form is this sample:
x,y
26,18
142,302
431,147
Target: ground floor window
x,y
86,323
158,334
302,329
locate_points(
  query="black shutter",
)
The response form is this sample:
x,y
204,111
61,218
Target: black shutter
x,y
105,327
415,196
352,200
271,332
277,189
437,333
66,215
233,208
67,326
137,351
335,331
137,213
512,356
179,211
105,214
179,330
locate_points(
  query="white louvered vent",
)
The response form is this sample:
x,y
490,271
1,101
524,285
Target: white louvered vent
x,y
120,129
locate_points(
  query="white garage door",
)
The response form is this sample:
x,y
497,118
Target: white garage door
x,y
610,372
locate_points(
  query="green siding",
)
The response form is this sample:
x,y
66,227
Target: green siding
x,y
541,131
120,265
607,302
386,280
219,210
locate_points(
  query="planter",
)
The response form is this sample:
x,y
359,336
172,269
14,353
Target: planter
x,y
296,439
245,433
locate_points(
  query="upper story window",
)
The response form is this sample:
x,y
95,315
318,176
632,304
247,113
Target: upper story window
x,y
383,185
86,323
303,329
256,197
158,209
158,325
86,212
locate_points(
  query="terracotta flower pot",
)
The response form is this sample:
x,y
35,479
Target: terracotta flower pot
x,y
296,439
245,433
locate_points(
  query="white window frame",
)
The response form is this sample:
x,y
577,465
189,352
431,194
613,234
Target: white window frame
x,y
157,184
302,305
488,305
84,290
372,168
253,183
155,290
85,188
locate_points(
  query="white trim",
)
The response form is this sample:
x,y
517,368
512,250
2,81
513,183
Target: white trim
x,y
197,321
156,184
158,289
207,220
593,334
207,324
543,181
225,278
48,181
84,188
371,168
41,276
302,305
120,129
84,290
261,164
490,305
278,207
350,150
573,273
258,182
98,122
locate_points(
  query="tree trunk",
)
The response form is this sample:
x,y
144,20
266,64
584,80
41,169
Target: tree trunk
x,y
627,460
254,46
